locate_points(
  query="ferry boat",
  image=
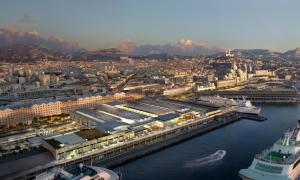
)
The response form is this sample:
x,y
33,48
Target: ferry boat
x,y
243,106
79,172
279,162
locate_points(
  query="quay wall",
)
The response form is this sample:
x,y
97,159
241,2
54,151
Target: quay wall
x,y
259,96
156,146
138,148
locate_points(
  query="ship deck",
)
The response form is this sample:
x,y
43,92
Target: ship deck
x,y
257,175
276,157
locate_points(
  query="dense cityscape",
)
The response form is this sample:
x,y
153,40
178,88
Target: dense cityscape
x,y
135,111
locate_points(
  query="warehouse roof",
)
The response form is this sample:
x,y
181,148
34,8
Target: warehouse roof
x,y
167,117
69,139
103,121
115,103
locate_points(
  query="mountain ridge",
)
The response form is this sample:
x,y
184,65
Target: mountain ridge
x,y
33,52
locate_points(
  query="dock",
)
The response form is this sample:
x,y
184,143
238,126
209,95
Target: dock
x,y
253,117
258,96
127,151
132,149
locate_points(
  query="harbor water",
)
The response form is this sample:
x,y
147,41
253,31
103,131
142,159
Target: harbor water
x,y
219,154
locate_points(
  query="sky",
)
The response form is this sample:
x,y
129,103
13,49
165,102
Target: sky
x,y
96,24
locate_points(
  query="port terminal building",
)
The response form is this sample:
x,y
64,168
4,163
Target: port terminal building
x,y
115,123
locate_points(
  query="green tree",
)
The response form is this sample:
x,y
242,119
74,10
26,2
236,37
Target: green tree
x,y
17,147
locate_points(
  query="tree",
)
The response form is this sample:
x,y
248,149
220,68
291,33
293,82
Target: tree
x,y
17,147
35,119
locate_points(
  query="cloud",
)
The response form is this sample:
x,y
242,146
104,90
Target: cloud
x,y
12,26
128,46
33,33
182,47
12,37
185,42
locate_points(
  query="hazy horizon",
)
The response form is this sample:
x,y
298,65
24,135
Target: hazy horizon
x,y
206,25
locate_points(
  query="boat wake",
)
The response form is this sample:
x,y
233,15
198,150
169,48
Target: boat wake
x,y
217,156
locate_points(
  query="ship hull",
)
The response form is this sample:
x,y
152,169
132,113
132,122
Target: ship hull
x,y
278,162
249,111
209,104
244,177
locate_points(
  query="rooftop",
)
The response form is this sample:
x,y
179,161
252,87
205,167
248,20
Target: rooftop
x,y
64,140
91,134
115,103
167,117
104,122
121,113
164,104
69,139
155,109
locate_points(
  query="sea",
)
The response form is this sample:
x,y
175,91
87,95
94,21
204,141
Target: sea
x,y
218,154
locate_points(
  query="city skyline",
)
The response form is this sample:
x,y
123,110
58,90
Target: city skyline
x,y
146,90
158,25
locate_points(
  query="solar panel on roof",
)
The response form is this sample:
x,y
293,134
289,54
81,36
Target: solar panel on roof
x,y
104,122
167,117
109,126
149,108
99,115
115,103
122,113
163,103
69,139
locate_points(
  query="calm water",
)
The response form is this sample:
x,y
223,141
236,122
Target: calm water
x,y
198,158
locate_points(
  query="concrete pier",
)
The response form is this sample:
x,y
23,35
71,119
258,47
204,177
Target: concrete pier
x,y
251,117
259,96
169,140
154,141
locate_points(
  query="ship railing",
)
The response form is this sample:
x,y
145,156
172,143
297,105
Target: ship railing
x,y
263,156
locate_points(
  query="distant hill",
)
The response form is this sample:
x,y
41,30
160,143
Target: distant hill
x,y
292,55
266,54
32,52
29,53
104,54
256,53
10,38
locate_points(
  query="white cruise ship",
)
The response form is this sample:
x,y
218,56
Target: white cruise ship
x,y
280,162
247,107
216,101
79,172
243,106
